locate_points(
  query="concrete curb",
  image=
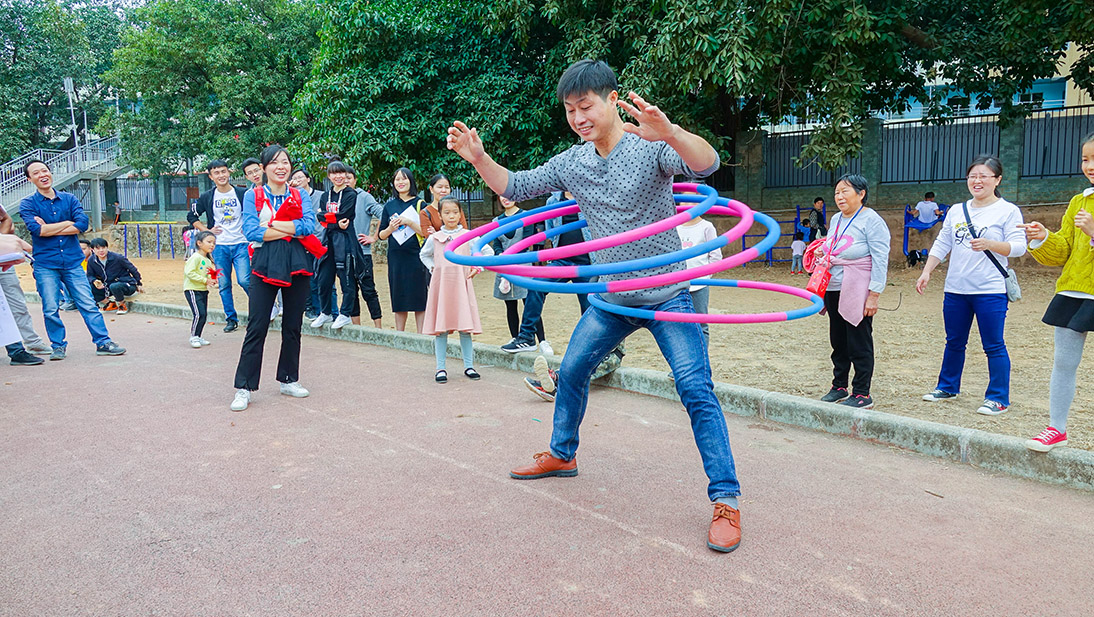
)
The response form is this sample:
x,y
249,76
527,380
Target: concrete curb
x,y
1066,466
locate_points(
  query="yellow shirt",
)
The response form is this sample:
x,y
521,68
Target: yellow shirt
x,y
196,272
1071,248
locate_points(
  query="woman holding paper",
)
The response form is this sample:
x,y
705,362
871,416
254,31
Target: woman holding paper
x,y
400,226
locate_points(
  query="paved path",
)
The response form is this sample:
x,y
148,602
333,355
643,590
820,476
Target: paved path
x,y
128,488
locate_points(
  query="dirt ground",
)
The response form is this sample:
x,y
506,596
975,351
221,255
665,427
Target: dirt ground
x,y
793,357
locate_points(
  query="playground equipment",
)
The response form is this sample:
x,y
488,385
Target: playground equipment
x,y
133,233
911,221
770,257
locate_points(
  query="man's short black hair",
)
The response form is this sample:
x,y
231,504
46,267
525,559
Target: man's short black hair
x,y
215,164
82,241
928,195
98,243
249,162
587,76
26,166
816,199
301,170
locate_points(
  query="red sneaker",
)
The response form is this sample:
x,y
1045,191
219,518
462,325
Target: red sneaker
x,y
725,529
1047,440
545,467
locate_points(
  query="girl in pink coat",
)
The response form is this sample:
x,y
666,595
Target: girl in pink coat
x,y
451,305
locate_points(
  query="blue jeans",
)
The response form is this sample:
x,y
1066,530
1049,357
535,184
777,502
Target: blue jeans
x,y
227,257
700,300
533,304
990,311
596,334
73,280
796,263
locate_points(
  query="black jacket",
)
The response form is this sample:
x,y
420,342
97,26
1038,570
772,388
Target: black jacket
x,y
338,241
117,269
205,206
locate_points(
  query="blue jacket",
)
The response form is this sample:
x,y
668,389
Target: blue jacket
x,y
54,252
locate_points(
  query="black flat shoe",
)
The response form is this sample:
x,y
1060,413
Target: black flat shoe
x,y
442,376
472,373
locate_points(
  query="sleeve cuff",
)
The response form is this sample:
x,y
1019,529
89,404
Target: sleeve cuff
x,y
508,192
713,168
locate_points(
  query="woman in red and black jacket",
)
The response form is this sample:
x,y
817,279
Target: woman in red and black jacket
x,y
337,210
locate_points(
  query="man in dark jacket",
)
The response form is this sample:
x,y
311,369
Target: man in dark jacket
x,y
221,207
113,274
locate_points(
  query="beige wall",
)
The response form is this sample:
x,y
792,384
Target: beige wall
x,y
1073,95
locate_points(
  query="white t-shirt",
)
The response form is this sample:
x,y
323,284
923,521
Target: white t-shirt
x,y
926,212
971,272
228,215
797,248
691,235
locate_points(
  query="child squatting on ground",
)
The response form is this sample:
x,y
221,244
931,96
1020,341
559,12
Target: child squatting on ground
x,y
1071,311
451,305
199,274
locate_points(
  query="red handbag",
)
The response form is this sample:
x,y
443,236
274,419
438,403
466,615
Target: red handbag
x,y
818,281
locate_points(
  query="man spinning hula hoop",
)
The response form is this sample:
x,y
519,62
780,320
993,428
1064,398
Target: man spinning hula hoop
x,y
622,177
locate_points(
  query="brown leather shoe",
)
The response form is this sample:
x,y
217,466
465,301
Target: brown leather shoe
x,y
725,529
545,467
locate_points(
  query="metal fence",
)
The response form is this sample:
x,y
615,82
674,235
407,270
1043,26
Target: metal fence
x,y
1052,139
178,190
134,194
914,151
82,190
780,151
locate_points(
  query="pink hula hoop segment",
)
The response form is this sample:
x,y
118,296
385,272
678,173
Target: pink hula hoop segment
x,y
512,264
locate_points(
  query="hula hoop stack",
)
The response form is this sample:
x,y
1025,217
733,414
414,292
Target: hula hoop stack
x,y
515,264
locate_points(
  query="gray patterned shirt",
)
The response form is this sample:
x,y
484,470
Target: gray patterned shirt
x,y
629,189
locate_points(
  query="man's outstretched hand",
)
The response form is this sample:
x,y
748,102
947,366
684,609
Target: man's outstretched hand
x,y
653,124
465,142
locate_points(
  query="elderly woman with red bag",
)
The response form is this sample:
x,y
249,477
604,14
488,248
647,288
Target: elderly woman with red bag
x,y
856,253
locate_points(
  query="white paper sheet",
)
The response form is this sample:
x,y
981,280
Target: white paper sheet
x,y
405,233
9,332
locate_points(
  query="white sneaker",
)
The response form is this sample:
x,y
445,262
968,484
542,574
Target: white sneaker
x,y
546,349
294,390
204,342
322,320
195,342
242,399
39,348
342,320
275,311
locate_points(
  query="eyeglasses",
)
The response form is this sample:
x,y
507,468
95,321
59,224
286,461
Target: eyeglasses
x,y
980,176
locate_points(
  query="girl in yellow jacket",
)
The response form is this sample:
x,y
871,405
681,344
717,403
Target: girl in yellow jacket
x,y
1072,308
199,274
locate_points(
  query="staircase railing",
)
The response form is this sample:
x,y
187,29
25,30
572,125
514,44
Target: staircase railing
x,y
65,165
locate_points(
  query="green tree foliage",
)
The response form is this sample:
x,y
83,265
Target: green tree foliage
x,y
41,43
390,78
211,78
722,65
